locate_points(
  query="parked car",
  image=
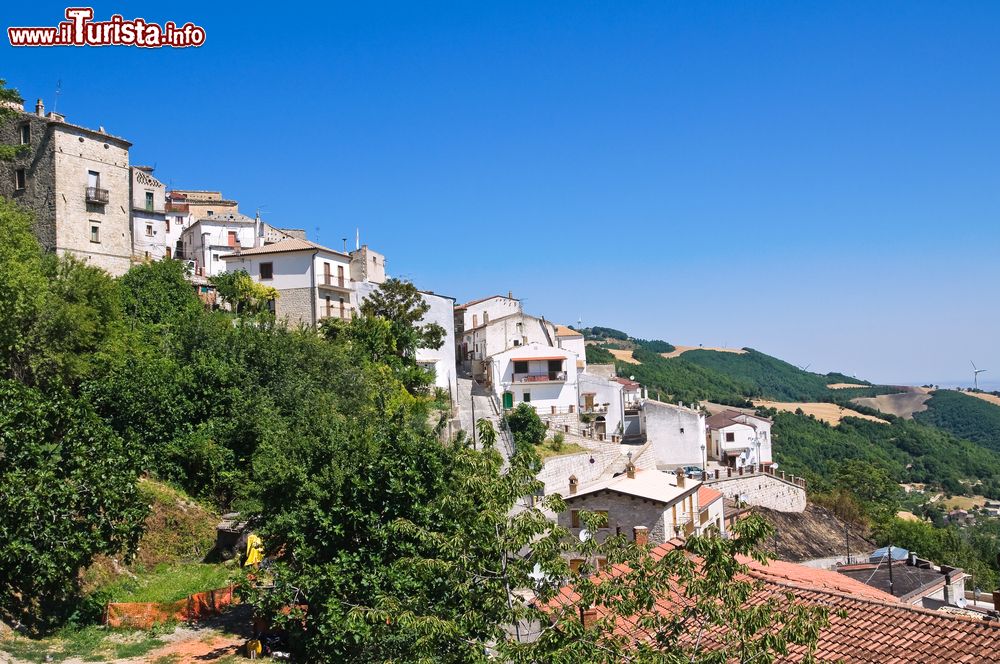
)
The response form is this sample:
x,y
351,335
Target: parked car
x,y
693,471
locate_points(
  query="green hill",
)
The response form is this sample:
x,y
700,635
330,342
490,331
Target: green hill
x,y
964,416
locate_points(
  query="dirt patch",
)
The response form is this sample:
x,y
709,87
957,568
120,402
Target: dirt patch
x,y
902,405
680,350
844,386
907,516
813,533
827,412
623,356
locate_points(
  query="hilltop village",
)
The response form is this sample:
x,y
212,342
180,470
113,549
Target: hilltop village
x,y
657,471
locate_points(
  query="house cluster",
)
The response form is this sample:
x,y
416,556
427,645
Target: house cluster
x,y
89,201
523,358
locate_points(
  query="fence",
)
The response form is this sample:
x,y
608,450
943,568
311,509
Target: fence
x,y
143,615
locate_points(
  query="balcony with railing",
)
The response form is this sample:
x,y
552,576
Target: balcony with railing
x,y
97,196
540,377
334,281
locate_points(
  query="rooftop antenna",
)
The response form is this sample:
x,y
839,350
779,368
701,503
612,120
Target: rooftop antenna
x,y
55,105
345,244
975,374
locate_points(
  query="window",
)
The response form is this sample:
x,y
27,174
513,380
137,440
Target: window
x,y
149,201
95,233
555,365
527,397
486,317
730,437
520,367
209,213
20,179
149,230
232,238
682,429
169,253
517,342
93,179
167,225
574,564
475,320
215,257
574,517
25,134
604,515
267,271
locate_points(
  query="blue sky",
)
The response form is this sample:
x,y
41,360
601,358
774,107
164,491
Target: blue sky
x,y
816,180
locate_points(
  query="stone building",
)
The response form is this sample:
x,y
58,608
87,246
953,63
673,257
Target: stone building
x,y
76,182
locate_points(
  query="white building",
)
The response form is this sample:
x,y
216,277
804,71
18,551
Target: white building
x,y
739,439
473,314
313,282
149,220
656,504
676,433
540,375
570,339
207,241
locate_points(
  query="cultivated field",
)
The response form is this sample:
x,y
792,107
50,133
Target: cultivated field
x,y
903,404
828,412
680,350
992,398
844,386
623,356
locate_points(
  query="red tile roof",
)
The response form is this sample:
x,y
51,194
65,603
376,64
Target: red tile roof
x,y
707,496
866,624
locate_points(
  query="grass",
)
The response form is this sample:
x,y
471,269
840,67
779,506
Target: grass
x,y
548,449
168,583
90,644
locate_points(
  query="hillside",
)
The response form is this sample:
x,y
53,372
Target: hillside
x,y
901,404
815,533
965,416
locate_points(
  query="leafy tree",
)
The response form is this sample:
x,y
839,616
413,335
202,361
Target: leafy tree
x,y
9,96
525,425
878,493
400,303
242,293
156,292
67,493
57,312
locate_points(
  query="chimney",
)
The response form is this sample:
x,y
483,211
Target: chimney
x,y
510,295
630,470
680,478
588,617
641,535
949,592
40,109
573,482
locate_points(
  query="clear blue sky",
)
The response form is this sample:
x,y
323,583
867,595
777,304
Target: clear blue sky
x,y
817,180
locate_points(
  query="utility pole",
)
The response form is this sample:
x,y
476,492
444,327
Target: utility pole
x,y
890,571
847,539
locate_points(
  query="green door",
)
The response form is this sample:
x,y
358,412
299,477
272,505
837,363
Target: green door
x,y
508,400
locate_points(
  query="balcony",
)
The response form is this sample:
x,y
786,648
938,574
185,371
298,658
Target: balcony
x,y
540,377
335,282
97,195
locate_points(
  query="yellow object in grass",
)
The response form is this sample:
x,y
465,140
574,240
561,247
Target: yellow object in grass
x,y
255,550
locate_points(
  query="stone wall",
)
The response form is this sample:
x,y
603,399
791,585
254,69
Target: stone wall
x,y
624,513
608,460
39,195
762,489
294,306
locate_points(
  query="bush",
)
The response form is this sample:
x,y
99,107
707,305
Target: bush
x,y
557,441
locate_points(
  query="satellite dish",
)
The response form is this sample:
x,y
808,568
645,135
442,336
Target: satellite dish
x,y
536,574
584,535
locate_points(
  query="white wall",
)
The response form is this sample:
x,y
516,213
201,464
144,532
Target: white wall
x,y
544,395
575,344
207,241
289,269
606,392
744,439
503,333
493,308
676,433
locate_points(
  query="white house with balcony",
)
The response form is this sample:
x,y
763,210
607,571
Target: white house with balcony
x,y
739,439
534,373
313,281
149,221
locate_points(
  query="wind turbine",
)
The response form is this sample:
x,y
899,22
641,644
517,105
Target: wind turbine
x,y
975,374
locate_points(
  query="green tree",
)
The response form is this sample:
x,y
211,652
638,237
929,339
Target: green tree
x,y
67,493
156,292
9,96
242,293
525,425
400,303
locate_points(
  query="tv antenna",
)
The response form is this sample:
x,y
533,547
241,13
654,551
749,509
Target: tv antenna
x,y
975,374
